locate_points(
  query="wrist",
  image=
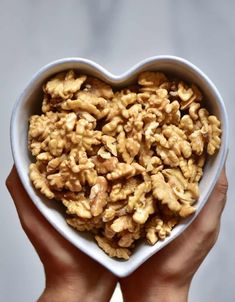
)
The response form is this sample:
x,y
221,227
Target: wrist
x,y
159,292
168,293
73,289
59,294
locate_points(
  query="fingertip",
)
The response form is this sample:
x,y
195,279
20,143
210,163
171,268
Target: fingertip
x,y
9,179
15,188
13,181
222,183
217,200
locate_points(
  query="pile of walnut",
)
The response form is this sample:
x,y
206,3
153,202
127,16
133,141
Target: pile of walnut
x,y
125,163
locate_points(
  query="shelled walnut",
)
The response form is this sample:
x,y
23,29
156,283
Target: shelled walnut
x,y
125,163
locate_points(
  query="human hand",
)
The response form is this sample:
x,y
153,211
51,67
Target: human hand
x,y
167,275
70,274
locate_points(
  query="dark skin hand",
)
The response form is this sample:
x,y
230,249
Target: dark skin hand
x,y
166,276
73,276
70,274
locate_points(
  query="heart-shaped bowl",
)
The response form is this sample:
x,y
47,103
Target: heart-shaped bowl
x,y
29,103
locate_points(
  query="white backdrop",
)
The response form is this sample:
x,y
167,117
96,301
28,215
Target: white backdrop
x,y
116,34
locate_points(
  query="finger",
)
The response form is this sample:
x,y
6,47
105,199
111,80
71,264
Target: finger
x,y
31,219
216,202
200,236
202,233
37,228
52,248
206,226
23,203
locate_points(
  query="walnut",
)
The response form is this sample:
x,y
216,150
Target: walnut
x,y
214,134
186,211
172,144
188,95
175,192
103,166
118,105
44,157
40,128
185,93
186,124
112,249
197,142
109,213
193,110
173,114
80,206
111,127
92,224
154,165
84,135
123,223
206,134
121,190
151,79
74,170
200,164
39,180
134,124
159,229
87,102
98,196
71,119
158,105
110,144
113,210
128,238
186,192
54,164
103,153
167,156
108,231
126,162
98,88
124,170
143,209
177,140
127,147
145,154
138,195
163,192
64,85
149,133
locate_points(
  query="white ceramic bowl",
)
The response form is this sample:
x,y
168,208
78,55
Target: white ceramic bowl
x,y
29,103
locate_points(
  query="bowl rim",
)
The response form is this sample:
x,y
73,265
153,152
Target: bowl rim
x,y
121,271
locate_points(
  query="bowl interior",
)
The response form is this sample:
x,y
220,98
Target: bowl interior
x,y
29,103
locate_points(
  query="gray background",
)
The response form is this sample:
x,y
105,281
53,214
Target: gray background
x,y
116,34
